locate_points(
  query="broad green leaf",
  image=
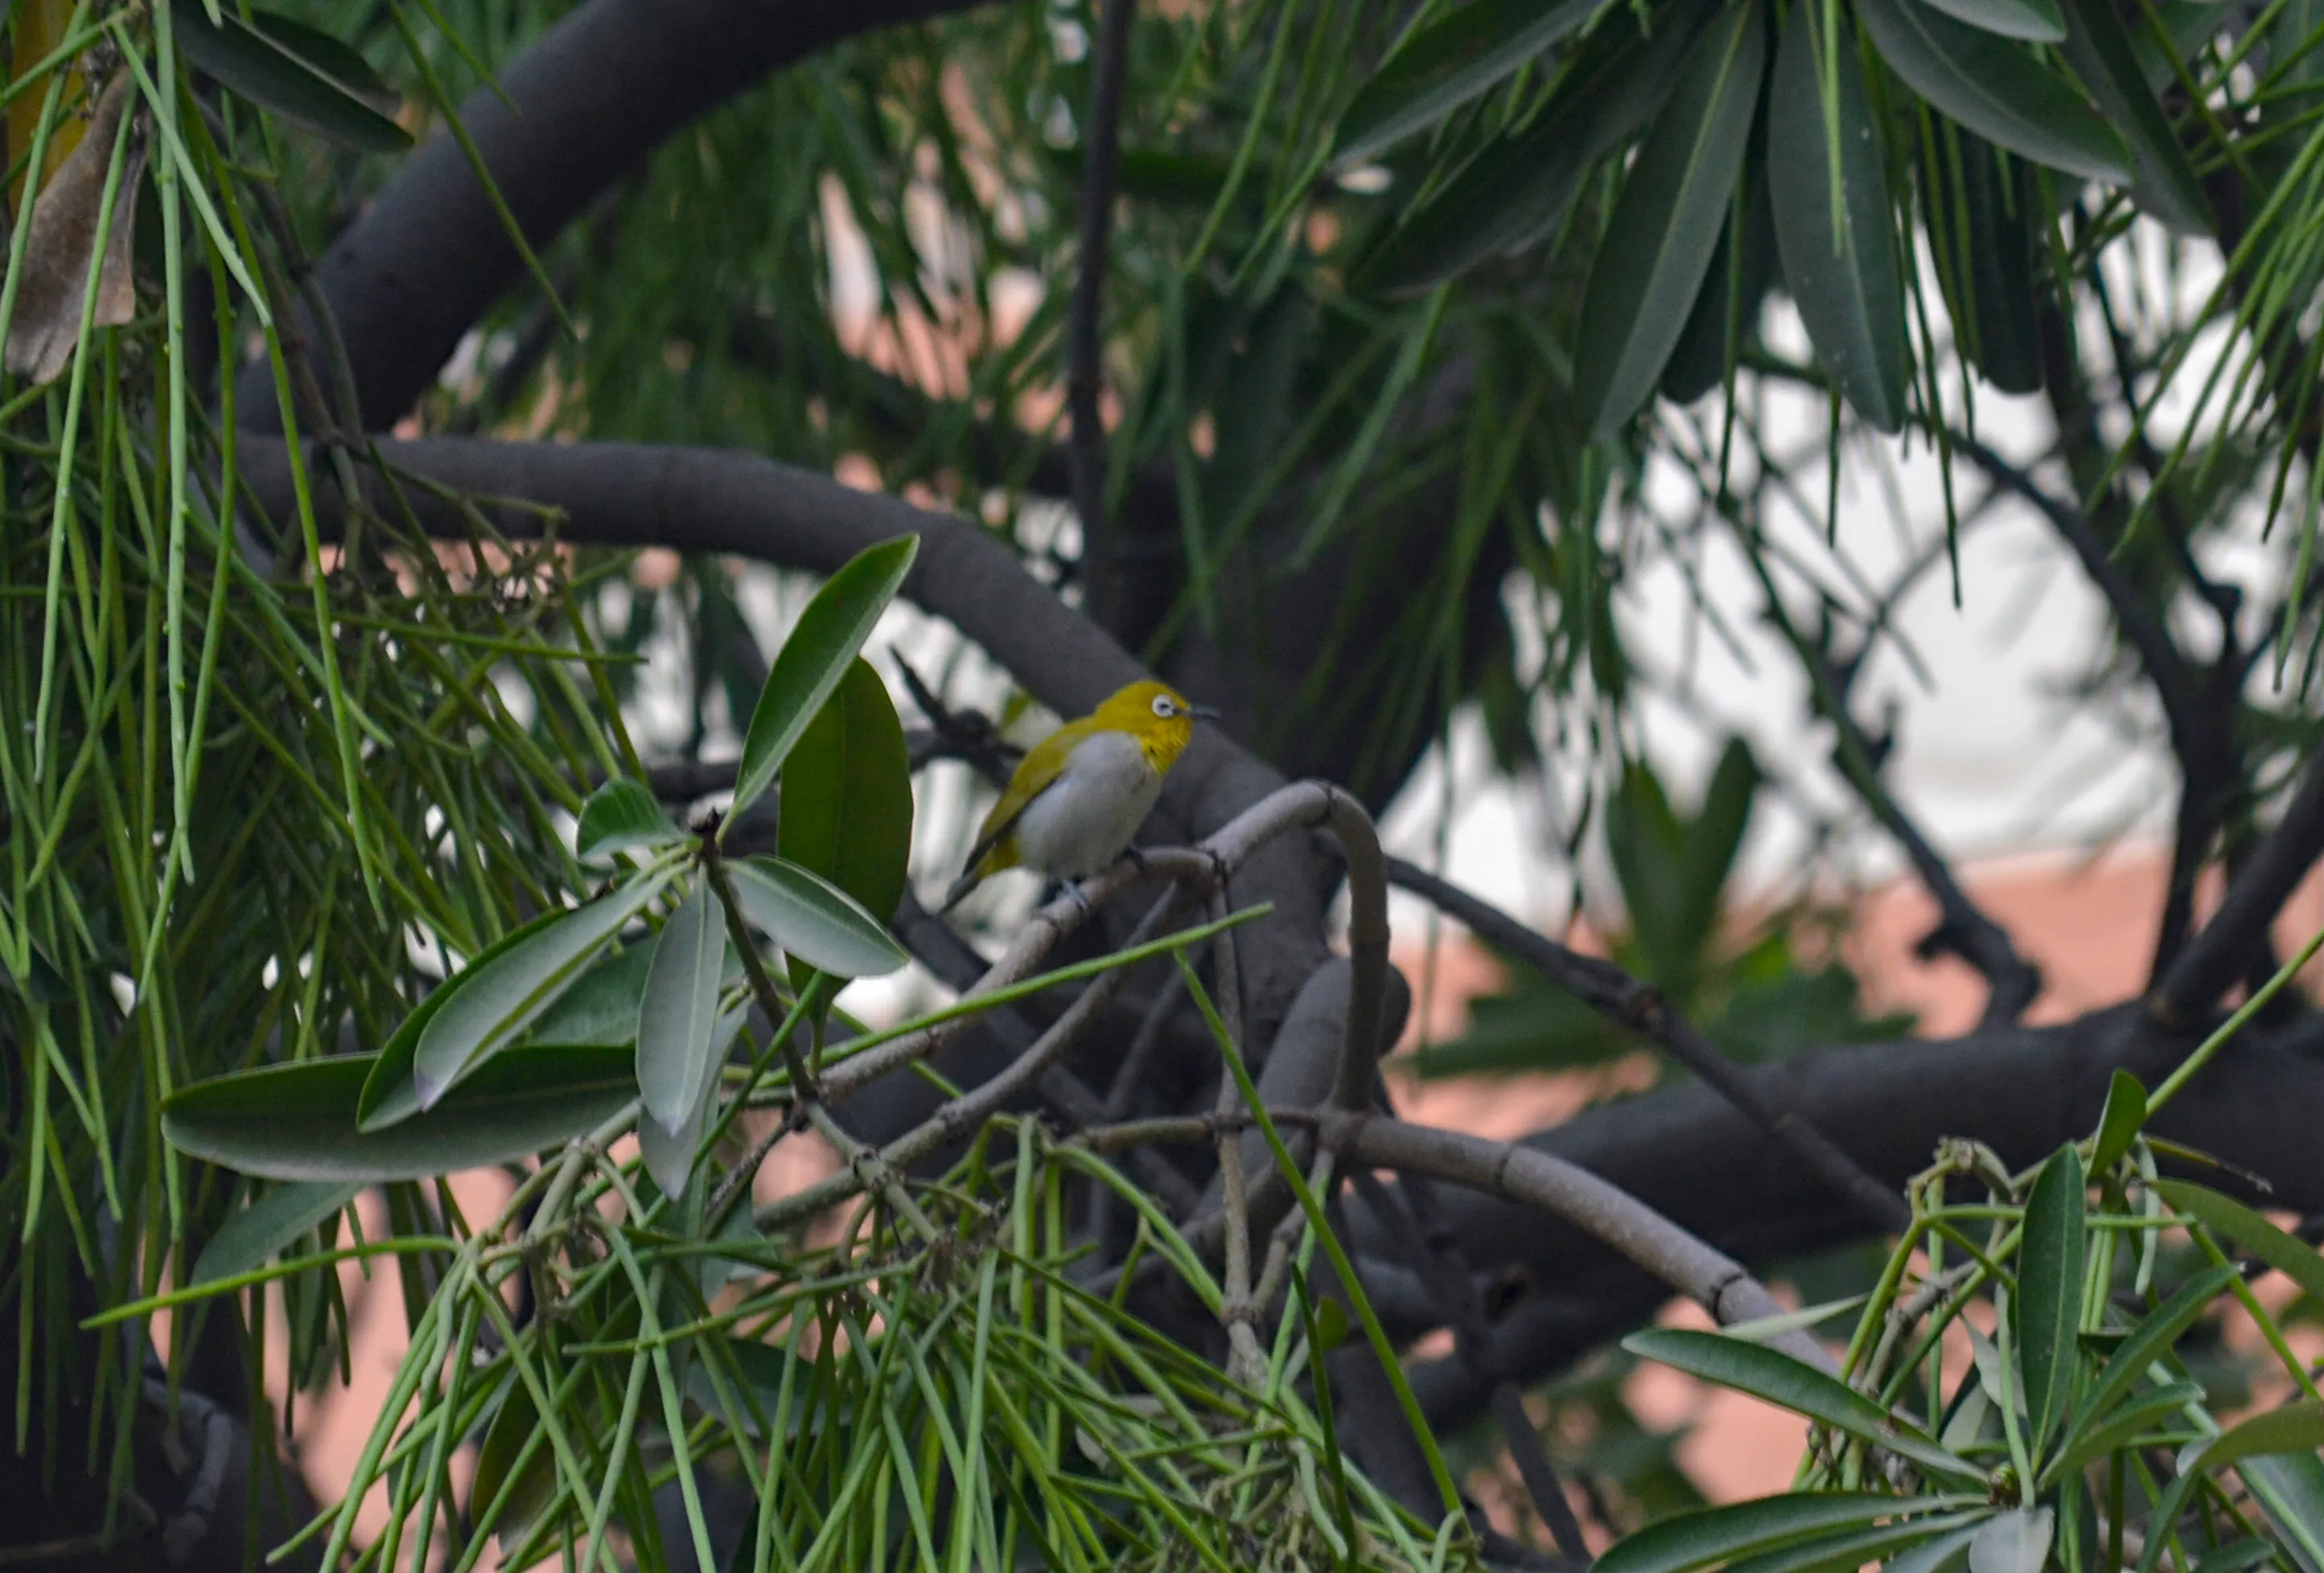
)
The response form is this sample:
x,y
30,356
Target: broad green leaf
x,y
847,795
678,1009
1842,276
669,1154
2235,1557
813,919
1982,233
1948,1553
1995,89
1447,63
2231,1220
1519,186
2034,21
2150,1342
1657,244
1848,1552
2100,54
492,1004
2048,1302
2290,1487
1789,1384
1698,361
2119,1123
262,1229
2016,1541
621,815
389,1095
1701,1536
2130,1424
601,1005
294,71
515,1427
297,1121
2296,1430
830,630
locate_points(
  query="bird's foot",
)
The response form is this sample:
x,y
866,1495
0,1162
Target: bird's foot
x,y
1081,897
1136,859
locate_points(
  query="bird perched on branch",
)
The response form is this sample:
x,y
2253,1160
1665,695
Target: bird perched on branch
x,y
1079,796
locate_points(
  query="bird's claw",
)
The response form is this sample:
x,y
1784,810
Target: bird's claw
x,y
1081,898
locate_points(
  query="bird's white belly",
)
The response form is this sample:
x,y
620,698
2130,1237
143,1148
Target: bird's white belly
x,y
1084,818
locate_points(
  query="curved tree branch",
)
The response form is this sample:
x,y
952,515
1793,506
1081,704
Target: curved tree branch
x,y
710,500
2220,953
593,96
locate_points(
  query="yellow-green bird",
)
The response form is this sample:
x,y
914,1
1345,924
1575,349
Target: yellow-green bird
x,y
1079,796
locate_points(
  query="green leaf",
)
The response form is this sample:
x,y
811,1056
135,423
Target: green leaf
x,y
2150,1342
389,1095
297,1121
2231,1220
669,1154
813,919
2290,1487
1447,63
1843,277
1847,1552
1789,1384
1981,230
1705,1535
2119,1123
678,1009
292,70
260,1231
2166,185
621,815
1657,244
2034,21
2294,1428
2018,1542
2129,1426
847,795
2235,1557
1995,89
492,1003
1698,361
1519,186
601,1005
1715,834
1948,1553
813,660
516,1425
2048,1302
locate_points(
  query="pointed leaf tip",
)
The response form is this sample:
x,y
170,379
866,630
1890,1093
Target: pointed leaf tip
x,y
829,633
1835,227
1667,222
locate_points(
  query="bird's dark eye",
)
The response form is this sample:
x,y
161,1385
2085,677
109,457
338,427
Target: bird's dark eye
x,y
1162,705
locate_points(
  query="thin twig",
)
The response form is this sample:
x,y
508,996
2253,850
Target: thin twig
x,y
1085,336
1614,994
1432,1255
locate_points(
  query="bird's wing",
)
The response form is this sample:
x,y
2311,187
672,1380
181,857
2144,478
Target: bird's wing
x,y
1035,774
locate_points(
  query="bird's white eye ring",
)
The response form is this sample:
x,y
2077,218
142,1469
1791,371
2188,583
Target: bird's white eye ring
x,y
1163,707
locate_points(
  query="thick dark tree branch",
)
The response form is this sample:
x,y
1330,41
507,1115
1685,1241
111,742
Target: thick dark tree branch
x,y
593,96
2223,950
1687,1154
1100,566
704,499
1613,993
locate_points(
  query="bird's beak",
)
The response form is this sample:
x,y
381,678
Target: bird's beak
x,y
1202,712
